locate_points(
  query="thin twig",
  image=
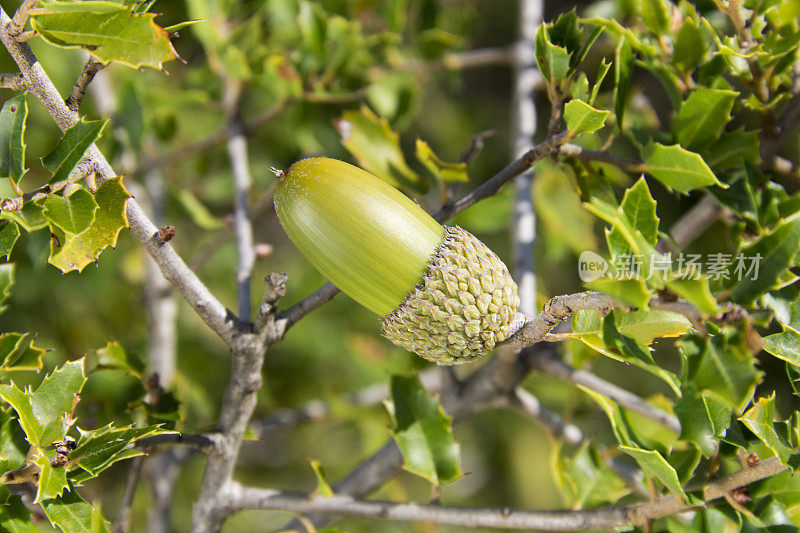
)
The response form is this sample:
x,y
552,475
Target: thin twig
x,y
552,365
476,144
573,150
91,68
616,516
242,182
17,24
84,168
14,81
123,520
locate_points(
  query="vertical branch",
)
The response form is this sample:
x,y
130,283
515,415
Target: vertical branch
x,y
524,217
237,152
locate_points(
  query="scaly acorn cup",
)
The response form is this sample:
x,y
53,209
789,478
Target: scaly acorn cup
x,y
440,292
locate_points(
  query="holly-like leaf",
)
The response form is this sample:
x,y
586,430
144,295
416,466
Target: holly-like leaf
x,y
44,413
760,419
17,352
70,251
678,168
774,252
377,148
690,47
72,214
113,355
703,117
696,292
9,233
723,365
733,149
442,171
623,67
586,479
639,208
12,142
786,345
581,117
704,419
98,449
71,513
553,60
6,282
14,516
71,147
108,30
52,479
423,431
643,326
654,465
30,217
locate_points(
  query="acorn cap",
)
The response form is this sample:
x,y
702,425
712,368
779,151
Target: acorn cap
x,y
465,305
441,292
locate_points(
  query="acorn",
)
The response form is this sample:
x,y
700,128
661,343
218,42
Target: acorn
x,y
440,292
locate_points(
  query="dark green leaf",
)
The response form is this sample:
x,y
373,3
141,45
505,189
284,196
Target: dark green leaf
x,y
723,365
703,117
760,419
71,514
17,352
704,419
654,465
70,148
108,30
42,412
98,449
12,142
423,432
553,60
6,282
640,209
690,47
623,66
655,16
9,233
586,479
733,149
113,355
678,168
14,516
72,214
774,252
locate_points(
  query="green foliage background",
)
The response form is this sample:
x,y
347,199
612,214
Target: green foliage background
x,y
397,59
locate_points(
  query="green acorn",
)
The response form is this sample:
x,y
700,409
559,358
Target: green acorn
x,y
440,292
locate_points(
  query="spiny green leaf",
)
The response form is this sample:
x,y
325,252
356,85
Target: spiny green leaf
x,y
12,142
6,282
74,251
444,172
696,292
581,117
17,352
9,233
72,214
733,149
619,425
703,117
553,60
760,419
98,449
655,15
30,217
775,252
107,30
423,431
690,48
113,355
586,479
786,345
704,419
654,465
640,209
70,148
723,365
377,148
71,513
678,168
623,67
52,479
43,413
14,516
